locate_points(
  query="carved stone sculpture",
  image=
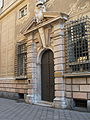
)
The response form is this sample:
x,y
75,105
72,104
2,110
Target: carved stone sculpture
x,y
39,9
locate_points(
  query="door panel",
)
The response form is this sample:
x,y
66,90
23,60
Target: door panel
x,y
47,76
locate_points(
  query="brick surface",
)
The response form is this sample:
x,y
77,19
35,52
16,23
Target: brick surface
x,y
12,110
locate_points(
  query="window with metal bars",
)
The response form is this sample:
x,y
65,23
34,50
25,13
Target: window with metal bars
x,y
22,59
77,45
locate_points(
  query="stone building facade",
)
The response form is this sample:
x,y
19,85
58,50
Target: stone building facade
x,y
44,52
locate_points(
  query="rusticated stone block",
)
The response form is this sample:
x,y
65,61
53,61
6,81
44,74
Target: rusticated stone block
x,y
58,54
59,87
59,67
68,80
59,80
80,95
59,48
57,61
75,88
59,93
88,80
68,94
79,80
85,88
68,87
59,41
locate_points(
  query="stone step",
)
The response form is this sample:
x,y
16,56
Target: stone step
x,y
45,103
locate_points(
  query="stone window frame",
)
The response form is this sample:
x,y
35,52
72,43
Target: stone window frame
x,y
23,11
21,60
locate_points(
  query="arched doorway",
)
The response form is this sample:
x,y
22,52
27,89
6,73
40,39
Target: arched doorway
x,y
47,76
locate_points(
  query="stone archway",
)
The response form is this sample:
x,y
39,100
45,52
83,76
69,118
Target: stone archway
x,y
52,30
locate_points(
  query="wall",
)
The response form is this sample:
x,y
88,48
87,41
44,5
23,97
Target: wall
x,y
10,27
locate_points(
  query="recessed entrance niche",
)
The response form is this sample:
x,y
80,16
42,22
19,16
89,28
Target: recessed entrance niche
x,y
47,76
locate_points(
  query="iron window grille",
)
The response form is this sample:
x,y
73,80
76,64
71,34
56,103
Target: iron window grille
x,y
21,59
77,45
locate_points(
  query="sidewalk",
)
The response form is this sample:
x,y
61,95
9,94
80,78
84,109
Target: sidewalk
x,y
11,110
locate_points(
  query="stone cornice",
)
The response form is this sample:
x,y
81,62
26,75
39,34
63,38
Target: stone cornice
x,y
80,74
10,8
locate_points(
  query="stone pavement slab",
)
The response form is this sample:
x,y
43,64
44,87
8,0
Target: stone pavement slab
x,y
11,110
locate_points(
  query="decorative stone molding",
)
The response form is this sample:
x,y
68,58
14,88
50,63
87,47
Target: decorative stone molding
x,y
59,62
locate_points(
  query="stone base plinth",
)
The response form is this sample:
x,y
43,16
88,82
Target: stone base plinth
x,y
60,103
88,105
30,99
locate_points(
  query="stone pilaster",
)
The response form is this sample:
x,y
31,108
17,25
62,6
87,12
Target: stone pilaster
x,y
31,70
59,61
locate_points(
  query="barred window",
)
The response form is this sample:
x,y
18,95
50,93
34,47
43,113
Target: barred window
x,y
77,45
22,59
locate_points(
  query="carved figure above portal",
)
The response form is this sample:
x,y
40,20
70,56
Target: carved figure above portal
x,y
39,9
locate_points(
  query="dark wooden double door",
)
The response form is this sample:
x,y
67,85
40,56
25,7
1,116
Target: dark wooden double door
x,y
47,76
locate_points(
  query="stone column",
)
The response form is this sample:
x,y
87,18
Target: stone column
x,y
31,70
59,61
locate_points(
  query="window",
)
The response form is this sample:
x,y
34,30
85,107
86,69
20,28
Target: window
x,y
77,46
1,3
21,95
23,11
80,103
22,59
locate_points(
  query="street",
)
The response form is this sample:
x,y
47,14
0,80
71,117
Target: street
x,y
13,110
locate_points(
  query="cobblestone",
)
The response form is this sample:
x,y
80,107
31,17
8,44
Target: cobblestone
x,y
11,110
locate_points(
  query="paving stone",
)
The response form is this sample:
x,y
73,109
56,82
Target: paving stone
x,y
11,110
